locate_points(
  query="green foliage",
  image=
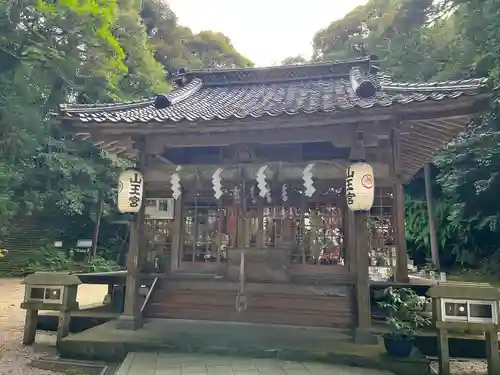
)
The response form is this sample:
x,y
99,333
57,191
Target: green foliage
x,y
424,40
49,258
294,60
86,51
403,309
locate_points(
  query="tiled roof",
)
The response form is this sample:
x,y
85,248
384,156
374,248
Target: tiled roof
x,y
289,90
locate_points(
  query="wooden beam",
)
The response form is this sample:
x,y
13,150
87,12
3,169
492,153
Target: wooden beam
x,y
398,215
398,218
363,301
339,135
236,124
358,150
430,215
349,240
429,127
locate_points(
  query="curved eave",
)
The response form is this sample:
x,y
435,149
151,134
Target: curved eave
x,y
68,111
194,103
433,115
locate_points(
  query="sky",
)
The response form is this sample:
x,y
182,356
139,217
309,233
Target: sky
x,y
265,31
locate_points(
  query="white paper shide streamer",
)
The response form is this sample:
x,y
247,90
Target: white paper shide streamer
x,y
216,182
360,187
175,180
252,194
236,194
284,192
261,181
308,181
130,191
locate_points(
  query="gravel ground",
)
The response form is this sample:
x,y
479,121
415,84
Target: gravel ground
x,y
14,357
465,367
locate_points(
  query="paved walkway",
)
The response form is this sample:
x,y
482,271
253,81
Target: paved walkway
x,y
194,364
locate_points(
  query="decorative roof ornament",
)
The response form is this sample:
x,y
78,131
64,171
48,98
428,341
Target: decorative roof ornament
x,y
261,181
175,180
361,49
308,181
216,182
163,101
180,77
362,84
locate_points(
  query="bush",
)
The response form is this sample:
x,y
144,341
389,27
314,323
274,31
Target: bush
x,y
50,258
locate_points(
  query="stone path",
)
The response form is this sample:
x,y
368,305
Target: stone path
x,y
194,364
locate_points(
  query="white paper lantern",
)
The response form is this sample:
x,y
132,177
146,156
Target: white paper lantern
x,y
130,191
360,187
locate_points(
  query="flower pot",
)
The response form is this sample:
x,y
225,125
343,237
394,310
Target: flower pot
x,y
398,346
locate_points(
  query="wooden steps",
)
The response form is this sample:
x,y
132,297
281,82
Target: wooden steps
x,y
320,306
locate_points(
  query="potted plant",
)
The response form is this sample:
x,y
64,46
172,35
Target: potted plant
x,y
403,310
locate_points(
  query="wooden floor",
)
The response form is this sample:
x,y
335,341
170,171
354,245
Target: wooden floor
x,y
193,364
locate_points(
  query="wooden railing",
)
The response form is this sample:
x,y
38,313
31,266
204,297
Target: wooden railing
x,y
150,294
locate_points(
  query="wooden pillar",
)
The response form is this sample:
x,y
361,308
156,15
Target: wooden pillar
x,y
398,212
232,223
30,325
361,243
348,230
63,324
444,352
97,225
398,218
430,214
220,230
260,218
244,215
131,317
303,208
442,338
177,235
359,246
195,229
491,338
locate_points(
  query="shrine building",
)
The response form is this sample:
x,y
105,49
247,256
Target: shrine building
x,y
254,161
